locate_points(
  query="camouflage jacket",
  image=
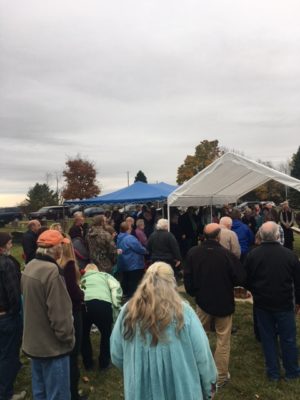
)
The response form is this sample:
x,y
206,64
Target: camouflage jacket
x,y
103,251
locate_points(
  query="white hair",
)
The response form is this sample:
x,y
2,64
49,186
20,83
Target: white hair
x,y
54,252
269,232
226,221
162,224
78,214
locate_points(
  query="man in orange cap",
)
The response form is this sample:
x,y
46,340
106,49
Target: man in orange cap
x,y
210,274
48,336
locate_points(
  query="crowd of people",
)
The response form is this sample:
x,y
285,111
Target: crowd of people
x,y
80,278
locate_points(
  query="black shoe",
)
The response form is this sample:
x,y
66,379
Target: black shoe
x,y
104,368
81,397
89,367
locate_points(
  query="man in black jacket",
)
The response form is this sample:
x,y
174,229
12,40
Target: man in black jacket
x,y
29,240
210,274
273,277
10,319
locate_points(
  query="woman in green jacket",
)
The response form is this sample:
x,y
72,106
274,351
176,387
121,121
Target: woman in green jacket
x,y
102,295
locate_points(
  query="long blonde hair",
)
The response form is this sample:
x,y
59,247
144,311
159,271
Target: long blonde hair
x,y
155,304
68,253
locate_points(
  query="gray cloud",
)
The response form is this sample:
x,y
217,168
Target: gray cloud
x,y
137,85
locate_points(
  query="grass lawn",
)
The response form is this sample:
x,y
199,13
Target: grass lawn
x,y
248,380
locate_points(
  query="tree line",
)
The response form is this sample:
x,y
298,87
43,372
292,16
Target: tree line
x,y
80,178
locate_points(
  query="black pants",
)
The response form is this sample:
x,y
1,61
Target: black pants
x,y
288,238
74,369
10,342
97,312
131,280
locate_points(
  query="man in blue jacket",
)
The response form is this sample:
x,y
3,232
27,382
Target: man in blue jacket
x,y
244,233
131,262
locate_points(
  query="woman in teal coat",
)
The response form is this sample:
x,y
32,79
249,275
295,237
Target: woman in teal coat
x,y
159,343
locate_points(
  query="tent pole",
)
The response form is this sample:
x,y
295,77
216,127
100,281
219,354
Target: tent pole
x,y
211,216
168,207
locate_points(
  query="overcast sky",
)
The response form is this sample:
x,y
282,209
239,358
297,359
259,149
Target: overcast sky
x,y
137,84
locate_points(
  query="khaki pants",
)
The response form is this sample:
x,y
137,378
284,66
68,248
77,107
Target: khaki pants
x,y
223,331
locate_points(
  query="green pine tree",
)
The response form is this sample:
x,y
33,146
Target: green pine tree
x,y
140,177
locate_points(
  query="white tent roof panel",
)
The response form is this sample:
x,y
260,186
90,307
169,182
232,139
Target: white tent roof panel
x,y
226,180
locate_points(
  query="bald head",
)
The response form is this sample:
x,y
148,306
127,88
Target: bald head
x,y
225,222
269,232
212,231
34,225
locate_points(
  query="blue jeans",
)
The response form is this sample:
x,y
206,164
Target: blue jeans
x,y
282,323
10,343
51,378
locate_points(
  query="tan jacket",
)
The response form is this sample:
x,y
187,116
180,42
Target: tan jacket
x,y
48,321
229,240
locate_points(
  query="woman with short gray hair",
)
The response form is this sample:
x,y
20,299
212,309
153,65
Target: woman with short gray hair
x,y
163,246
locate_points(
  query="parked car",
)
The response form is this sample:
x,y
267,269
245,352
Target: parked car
x,y
10,214
74,209
92,211
51,212
251,203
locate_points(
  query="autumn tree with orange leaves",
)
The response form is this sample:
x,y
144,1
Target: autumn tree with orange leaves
x,y
205,153
80,177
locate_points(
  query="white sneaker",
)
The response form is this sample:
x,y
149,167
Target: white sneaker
x,y
19,396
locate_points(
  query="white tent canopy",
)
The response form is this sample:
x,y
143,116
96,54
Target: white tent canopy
x,y
225,181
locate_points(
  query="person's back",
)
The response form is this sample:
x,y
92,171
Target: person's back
x,y
43,291
152,358
273,276
163,246
102,248
272,273
132,256
131,261
228,238
102,294
48,336
10,319
101,286
211,273
243,232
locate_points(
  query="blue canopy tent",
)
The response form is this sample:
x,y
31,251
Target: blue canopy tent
x,y
138,192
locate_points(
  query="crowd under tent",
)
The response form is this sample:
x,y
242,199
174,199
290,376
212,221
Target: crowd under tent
x,y
225,181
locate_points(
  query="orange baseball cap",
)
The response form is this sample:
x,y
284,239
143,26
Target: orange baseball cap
x,y
51,238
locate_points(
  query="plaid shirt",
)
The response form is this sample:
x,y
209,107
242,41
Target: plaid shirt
x,y
10,290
